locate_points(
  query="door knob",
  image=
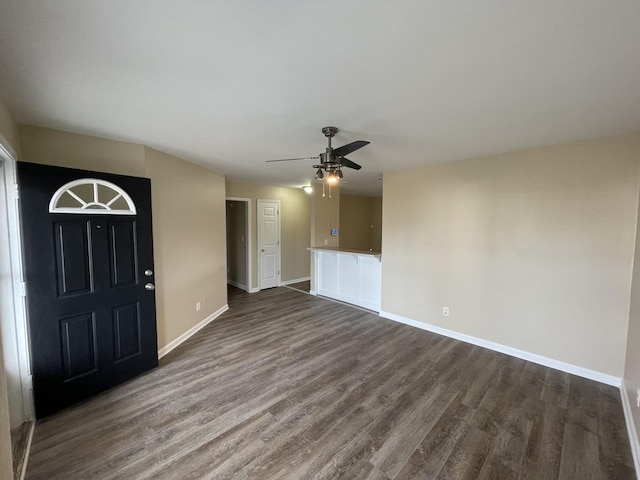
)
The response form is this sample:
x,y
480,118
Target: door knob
x,y
148,272
150,286
262,250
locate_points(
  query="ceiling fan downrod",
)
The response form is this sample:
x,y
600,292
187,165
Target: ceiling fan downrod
x,y
329,132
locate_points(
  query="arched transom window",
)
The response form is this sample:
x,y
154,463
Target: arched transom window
x,y
91,195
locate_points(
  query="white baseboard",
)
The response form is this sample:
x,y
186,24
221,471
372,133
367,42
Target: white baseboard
x,y
514,352
27,451
313,292
282,284
631,426
236,284
243,287
192,331
295,280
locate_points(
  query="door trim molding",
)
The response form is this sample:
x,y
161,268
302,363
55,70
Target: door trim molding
x,y
249,256
631,426
13,300
258,202
192,331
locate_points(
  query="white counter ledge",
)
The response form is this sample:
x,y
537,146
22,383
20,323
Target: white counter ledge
x,y
345,250
351,276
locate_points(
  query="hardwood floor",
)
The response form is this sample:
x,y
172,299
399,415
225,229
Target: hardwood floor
x,y
290,386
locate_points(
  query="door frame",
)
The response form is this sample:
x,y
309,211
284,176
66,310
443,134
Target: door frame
x,y
13,296
106,282
259,242
248,229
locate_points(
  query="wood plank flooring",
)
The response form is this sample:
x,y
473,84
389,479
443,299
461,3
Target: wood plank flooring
x,y
289,386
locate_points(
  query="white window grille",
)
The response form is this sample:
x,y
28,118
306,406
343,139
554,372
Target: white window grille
x,y
92,196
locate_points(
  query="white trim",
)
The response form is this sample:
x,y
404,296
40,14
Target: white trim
x,y
14,319
514,352
236,284
258,217
248,201
32,429
295,280
253,290
84,208
631,426
192,331
313,292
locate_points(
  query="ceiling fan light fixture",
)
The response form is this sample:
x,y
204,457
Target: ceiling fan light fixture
x,y
332,160
308,188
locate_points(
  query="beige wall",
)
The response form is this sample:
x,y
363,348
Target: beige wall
x,y
325,216
360,222
531,249
189,242
8,127
188,218
63,149
377,224
294,227
9,130
6,457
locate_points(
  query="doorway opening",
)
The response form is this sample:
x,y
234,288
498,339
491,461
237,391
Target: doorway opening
x,y
238,213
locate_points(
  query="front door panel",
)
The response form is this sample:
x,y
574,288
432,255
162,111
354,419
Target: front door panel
x,y
92,322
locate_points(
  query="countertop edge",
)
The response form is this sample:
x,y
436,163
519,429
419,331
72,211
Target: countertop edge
x,y
377,255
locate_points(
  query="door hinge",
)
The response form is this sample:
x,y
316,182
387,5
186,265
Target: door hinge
x,y
17,190
23,289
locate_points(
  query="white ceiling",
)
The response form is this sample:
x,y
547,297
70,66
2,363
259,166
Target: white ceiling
x,y
230,84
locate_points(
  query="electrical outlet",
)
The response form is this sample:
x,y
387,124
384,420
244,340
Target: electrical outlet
x,y
445,311
197,306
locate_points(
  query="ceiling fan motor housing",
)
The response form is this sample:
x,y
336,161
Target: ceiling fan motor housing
x,y
328,158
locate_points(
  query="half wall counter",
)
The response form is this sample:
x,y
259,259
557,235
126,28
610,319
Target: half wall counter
x,y
350,276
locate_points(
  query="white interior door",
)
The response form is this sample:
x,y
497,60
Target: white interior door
x,y
268,243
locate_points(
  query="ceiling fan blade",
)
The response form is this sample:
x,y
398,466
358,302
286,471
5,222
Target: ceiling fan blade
x,y
345,162
290,159
349,147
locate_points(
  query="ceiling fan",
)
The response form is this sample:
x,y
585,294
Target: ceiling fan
x,y
333,159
